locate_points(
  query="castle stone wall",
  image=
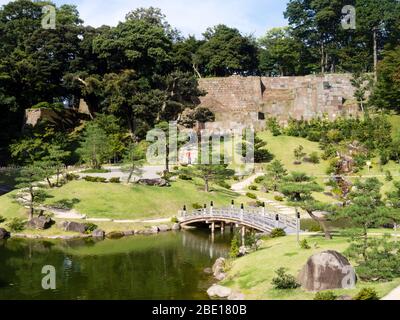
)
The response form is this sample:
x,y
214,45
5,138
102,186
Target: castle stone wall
x,y
245,100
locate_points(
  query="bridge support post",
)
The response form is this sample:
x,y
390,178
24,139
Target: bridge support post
x,y
243,235
213,227
222,227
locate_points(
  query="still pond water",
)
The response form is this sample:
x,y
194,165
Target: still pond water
x,y
165,266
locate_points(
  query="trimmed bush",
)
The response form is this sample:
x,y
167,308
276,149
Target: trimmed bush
x,y
2,219
185,177
235,247
251,195
279,198
325,295
72,177
259,180
115,180
253,188
95,179
197,206
284,281
278,233
367,294
314,158
16,225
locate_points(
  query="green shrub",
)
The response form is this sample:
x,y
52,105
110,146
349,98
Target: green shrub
x,y
259,203
16,224
274,127
279,198
284,281
325,295
185,177
304,244
115,180
251,195
367,294
174,220
259,180
224,184
235,246
253,188
197,206
90,227
63,204
314,158
95,179
2,219
389,176
278,233
72,177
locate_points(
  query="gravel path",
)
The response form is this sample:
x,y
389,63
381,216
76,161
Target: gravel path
x,y
394,295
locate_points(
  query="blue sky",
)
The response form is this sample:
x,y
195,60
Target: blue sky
x,y
191,17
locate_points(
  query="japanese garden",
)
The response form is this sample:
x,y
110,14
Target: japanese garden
x,y
144,163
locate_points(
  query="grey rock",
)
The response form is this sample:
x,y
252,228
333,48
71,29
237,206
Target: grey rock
x,y
115,235
4,234
217,291
164,228
176,227
154,182
154,230
218,269
98,233
73,226
40,223
129,233
327,270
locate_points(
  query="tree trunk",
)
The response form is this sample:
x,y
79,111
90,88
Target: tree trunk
x,y
322,58
375,36
49,182
31,208
206,185
196,71
365,243
322,223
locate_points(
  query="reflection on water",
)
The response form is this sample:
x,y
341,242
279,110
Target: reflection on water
x,y
165,266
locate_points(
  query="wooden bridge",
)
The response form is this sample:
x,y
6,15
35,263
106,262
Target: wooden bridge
x,y
249,218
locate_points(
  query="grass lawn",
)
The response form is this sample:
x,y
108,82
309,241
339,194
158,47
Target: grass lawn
x,y
9,208
283,148
252,274
118,201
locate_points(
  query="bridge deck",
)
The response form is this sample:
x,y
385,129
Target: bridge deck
x,y
257,219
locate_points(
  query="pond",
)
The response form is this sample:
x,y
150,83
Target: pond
x,y
164,266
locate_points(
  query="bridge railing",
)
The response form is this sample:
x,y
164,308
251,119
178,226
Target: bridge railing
x,y
260,218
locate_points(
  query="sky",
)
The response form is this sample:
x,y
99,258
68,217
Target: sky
x,y
191,17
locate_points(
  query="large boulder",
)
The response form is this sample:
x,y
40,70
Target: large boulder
x,y
40,223
4,234
115,235
327,271
176,227
217,291
218,269
164,228
74,226
154,182
98,233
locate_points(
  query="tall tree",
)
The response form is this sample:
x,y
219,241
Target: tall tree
x,y
226,51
